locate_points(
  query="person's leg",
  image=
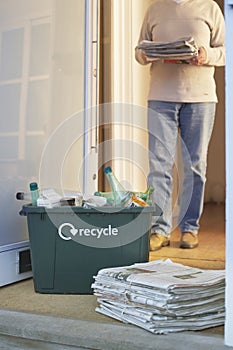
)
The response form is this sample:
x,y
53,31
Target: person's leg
x,y
196,125
163,130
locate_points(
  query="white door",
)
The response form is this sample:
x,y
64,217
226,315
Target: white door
x,y
48,83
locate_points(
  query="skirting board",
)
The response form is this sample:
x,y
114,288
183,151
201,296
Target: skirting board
x,y
15,263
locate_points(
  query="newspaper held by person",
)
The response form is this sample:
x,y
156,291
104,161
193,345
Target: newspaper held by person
x,y
180,50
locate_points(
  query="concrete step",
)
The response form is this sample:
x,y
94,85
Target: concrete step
x,y
15,343
80,334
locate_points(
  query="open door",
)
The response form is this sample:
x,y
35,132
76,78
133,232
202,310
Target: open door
x,y
48,85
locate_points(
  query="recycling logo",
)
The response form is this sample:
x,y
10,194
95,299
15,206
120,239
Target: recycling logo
x,y
94,232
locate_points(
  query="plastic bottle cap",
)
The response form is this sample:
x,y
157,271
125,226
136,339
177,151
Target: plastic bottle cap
x,y
108,170
19,195
33,186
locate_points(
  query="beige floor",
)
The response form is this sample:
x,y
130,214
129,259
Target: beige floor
x,y
211,251
210,254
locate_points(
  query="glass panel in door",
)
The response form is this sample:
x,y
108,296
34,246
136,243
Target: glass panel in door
x,y
42,102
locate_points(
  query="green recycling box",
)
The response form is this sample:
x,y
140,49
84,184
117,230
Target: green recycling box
x,y
69,245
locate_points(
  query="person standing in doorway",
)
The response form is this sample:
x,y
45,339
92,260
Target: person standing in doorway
x,y
182,101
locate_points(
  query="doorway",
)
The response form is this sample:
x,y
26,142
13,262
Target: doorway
x,y
128,83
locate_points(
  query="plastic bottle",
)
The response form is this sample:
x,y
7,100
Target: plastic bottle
x,y
120,194
34,192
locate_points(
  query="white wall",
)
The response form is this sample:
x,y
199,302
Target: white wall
x,y
229,175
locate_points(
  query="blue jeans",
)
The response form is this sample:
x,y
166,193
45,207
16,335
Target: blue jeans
x,y
193,123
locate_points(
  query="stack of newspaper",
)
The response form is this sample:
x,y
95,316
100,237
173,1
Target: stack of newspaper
x,y
182,49
162,296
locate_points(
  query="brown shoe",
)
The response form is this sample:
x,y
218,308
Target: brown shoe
x,y
158,241
189,240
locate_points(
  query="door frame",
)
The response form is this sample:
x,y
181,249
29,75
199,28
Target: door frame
x,y
228,6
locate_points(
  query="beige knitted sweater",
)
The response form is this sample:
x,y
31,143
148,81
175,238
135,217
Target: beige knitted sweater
x,y
167,20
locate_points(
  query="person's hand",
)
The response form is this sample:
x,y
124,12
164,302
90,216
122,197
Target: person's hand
x,y
201,58
144,57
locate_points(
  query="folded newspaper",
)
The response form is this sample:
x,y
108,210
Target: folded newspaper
x,y
162,296
182,49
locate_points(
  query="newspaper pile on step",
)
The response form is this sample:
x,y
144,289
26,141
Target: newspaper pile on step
x,y
182,49
162,296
